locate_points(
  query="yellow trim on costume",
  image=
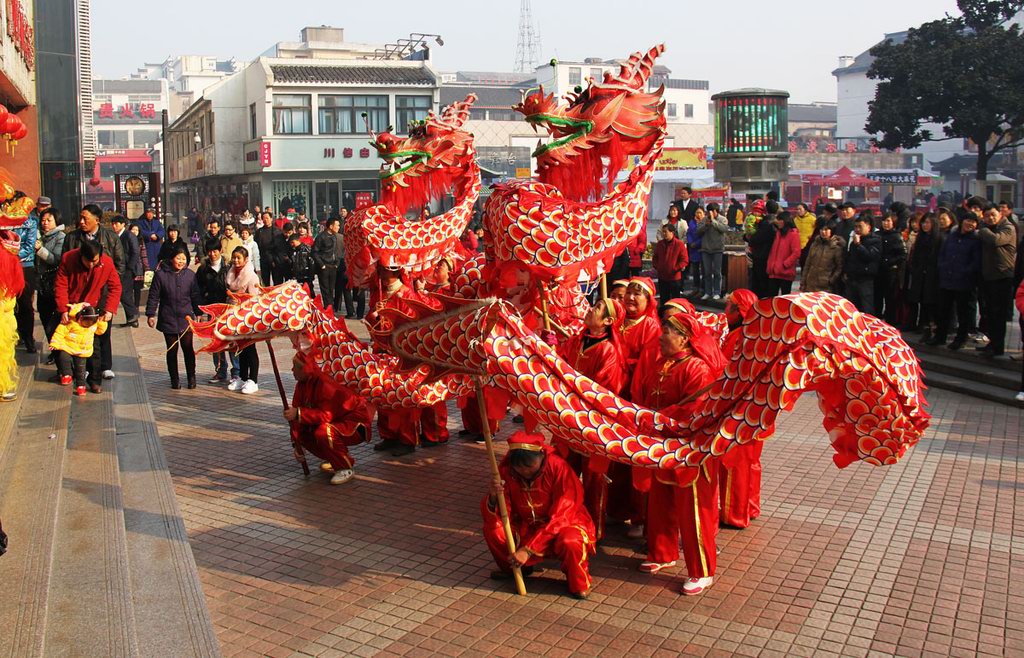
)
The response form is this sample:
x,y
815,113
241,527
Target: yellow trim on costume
x,y
700,542
728,491
529,447
586,554
678,325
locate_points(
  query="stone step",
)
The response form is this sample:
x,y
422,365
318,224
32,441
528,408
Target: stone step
x,y
169,604
33,432
977,369
90,600
973,387
967,355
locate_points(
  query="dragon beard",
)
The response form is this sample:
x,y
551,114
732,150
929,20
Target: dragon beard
x,y
584,179
420,190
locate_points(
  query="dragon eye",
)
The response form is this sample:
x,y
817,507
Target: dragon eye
x,y
578,89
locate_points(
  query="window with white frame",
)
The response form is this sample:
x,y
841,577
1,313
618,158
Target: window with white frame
x,y
575,75
292,114
673,110
688,111
343,114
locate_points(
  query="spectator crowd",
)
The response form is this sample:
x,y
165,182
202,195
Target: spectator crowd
x,y
950,274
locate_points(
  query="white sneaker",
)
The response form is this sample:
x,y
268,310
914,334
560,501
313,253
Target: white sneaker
x,y
236,384
250,387
108,374
343,476
1020,397
704,298
694,586
716,297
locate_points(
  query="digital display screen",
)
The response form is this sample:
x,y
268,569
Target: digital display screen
x,y
751,124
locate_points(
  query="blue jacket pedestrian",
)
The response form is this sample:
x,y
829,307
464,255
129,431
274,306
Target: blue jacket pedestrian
x,y
960,260
152,231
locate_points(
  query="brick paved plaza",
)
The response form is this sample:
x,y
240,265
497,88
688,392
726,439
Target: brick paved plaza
x,y
915,559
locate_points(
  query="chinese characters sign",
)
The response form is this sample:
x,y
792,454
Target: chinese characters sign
x,y
19,29
265,154
127,112
893,178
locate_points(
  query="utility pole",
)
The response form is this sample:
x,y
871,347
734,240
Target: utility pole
x,y
528,44
165,185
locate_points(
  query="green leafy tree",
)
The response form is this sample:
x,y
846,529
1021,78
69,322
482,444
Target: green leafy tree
x,y
964,73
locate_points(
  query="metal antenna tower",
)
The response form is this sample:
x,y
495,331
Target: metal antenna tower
x,y
528,45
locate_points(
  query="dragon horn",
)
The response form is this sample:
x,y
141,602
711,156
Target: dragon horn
x,y
637,69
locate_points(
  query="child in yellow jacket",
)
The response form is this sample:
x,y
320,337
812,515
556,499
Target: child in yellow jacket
x,y
72,344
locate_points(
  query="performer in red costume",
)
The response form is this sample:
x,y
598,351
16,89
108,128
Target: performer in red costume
x,y
640,329
398,428
326,418
595,352
434,420
689,361
617,290
740,479
545,505
639,332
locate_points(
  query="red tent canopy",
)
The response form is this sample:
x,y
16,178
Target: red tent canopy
x,y
842,177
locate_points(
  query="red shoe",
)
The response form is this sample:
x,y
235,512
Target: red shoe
x,y
65,380
79,390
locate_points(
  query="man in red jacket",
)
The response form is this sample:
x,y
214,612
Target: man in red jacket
x,y
670,261
81,277
544,498
326,418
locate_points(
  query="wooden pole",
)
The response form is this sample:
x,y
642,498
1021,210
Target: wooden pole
x,y
604,286
544,305
300,455
517,573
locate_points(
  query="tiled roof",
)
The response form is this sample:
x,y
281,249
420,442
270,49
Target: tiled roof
x,y
353,75
487,97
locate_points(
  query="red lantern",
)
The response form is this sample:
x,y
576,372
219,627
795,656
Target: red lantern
x,y
10,125
20,133
3,114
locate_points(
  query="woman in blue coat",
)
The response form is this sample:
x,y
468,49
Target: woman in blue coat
x,y
175,292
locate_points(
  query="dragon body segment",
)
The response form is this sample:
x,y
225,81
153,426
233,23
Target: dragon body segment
x,y
869,389
288,310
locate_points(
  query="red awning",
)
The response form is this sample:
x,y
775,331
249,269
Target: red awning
x,y
842,177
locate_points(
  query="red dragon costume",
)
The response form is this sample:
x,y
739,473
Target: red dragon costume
x,y
865,376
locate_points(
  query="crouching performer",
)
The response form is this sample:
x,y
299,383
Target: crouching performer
x,y
545,506
326,418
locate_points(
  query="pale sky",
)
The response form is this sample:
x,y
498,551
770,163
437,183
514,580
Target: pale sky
x,y
784,44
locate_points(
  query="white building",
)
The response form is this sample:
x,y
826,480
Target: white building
x,y
288,132
187,77
854,90
127,113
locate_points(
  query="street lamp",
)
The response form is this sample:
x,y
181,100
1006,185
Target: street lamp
x,y
196,138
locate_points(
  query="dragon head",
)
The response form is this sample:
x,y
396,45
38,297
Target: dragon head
x,y
609,120
281,310
427,163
